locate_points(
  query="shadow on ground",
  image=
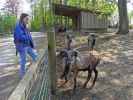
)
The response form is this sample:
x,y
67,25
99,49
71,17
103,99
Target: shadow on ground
x,y
115,80
7,85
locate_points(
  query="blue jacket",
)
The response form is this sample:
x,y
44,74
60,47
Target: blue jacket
x,y
22,37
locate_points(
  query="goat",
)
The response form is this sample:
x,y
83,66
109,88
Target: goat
x,y
92,41
65,55
84,63
68,41
75,62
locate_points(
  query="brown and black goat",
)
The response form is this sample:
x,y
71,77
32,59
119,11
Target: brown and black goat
x,y
85,63
65,56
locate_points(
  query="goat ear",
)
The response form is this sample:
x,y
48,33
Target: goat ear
x,y
57,53
62,52
75,53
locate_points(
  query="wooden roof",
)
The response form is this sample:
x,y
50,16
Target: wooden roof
x,y
70,11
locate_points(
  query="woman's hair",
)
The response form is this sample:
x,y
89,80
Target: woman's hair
x,y
23,15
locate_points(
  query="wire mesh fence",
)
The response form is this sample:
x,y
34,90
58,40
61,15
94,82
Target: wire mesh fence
x,y
40,89
35,84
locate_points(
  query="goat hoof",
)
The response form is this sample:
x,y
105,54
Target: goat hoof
x,y
61,77
62,85
84,86
90,87
74,90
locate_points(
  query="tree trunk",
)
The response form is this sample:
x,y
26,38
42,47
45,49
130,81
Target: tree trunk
x,y
123,17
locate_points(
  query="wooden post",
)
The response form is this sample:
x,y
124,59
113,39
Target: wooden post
x,y
52,56
52,61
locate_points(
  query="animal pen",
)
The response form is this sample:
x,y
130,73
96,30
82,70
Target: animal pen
x,y
39,83
83,20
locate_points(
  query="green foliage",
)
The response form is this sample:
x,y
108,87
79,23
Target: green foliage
x,y
35,25
131,14
7,23
131,26
42,15
104,6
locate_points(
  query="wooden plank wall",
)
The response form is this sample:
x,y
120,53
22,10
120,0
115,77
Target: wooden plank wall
x,y
93,21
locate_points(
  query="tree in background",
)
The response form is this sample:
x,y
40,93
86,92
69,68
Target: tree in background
x,y
130,18
8,15
7,23
41,15
12,7
123,17
41,12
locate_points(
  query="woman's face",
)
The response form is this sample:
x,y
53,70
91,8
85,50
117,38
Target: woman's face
x,y
26,20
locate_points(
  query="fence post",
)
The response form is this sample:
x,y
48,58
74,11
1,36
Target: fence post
x,y
52,56
52,61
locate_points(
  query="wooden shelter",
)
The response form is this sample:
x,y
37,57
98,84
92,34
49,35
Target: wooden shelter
x,y
83,19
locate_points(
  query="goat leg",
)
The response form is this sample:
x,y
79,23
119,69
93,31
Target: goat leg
x,y
96,74
75,79
65,74
66,80
88,78
66,71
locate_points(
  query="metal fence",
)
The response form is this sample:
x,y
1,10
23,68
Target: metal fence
x,y
35,84
40,89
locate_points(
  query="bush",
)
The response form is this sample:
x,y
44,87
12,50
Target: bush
x,y
35,25
7,23
131,26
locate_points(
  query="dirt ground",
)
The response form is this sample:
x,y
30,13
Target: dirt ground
x,y
115,79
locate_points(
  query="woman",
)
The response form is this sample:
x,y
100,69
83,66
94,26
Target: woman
x,y
23,42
